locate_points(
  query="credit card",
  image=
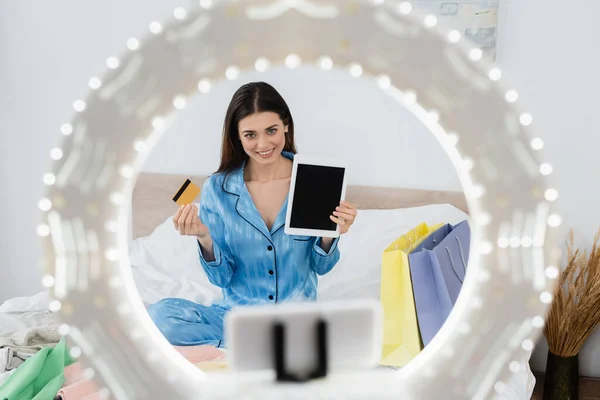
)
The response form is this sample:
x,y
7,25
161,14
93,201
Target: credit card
x,y
187,193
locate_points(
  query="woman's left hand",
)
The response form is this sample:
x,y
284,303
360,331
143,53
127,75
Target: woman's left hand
x,y
344,215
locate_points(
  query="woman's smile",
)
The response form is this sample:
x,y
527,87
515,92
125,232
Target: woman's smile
x,y
266,154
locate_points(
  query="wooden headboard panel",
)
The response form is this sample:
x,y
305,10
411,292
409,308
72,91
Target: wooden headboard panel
x,y
153,192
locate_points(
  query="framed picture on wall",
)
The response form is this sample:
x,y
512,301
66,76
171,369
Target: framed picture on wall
x,y
477,20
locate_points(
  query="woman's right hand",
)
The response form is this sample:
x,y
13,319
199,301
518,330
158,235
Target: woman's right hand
x,y
188,223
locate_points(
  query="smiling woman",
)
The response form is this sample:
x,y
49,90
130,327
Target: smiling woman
x,y
258,120
238,226
449,89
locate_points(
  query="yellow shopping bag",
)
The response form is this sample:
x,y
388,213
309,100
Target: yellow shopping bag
x,y
401,338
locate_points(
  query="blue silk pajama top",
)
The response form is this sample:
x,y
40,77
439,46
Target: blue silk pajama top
x,y
252,265
255,265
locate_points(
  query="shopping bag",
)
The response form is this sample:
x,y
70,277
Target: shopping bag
x,y
432,300
438,266
453,256
401,340
434,238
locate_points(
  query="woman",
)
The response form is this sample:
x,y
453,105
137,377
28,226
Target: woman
x,y
242,245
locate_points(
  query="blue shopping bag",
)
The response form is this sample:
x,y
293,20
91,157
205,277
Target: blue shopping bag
x,y
438,267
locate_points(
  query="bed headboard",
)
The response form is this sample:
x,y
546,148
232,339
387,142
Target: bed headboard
x,y
153,192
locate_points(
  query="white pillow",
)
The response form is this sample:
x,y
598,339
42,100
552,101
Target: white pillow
x,y
166,264
37,302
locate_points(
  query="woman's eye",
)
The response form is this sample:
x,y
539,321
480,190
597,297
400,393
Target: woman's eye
x,y
272,131
250,135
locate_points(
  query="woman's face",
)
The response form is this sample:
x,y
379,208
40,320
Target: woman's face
x,y
262,136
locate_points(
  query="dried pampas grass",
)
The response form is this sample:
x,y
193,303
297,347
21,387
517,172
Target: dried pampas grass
x,y
575,310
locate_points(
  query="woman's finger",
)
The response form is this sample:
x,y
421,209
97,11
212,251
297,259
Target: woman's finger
x,y
347,204
189,221
182,219
341,223
176,216
337,220
345,216
346,209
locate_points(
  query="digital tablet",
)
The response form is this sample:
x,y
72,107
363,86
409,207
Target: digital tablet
x,y
351,335
317,186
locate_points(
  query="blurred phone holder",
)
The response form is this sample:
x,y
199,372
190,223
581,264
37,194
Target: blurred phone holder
x,y
321,369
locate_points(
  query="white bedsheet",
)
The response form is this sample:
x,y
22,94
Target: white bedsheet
x,y
165,264
18,321
37,302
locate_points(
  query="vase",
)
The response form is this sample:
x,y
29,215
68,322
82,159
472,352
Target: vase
x,y
562,378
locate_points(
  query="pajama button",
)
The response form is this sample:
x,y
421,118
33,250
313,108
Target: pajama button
x,y
271,272
271,297
270,248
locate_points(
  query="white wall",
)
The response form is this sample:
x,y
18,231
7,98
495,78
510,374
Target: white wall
x,y
50,49
549,51
334,115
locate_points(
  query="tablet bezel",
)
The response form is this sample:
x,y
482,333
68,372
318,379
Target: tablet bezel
x,y
319,161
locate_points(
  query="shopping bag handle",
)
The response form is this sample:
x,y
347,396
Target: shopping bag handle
x,y
462,257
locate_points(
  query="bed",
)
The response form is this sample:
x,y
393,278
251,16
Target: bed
x,y
159,253
165,263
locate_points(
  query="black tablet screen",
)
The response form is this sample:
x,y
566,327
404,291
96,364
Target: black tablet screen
x,y
317,193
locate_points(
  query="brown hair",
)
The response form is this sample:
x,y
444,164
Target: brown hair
x,y
251,98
